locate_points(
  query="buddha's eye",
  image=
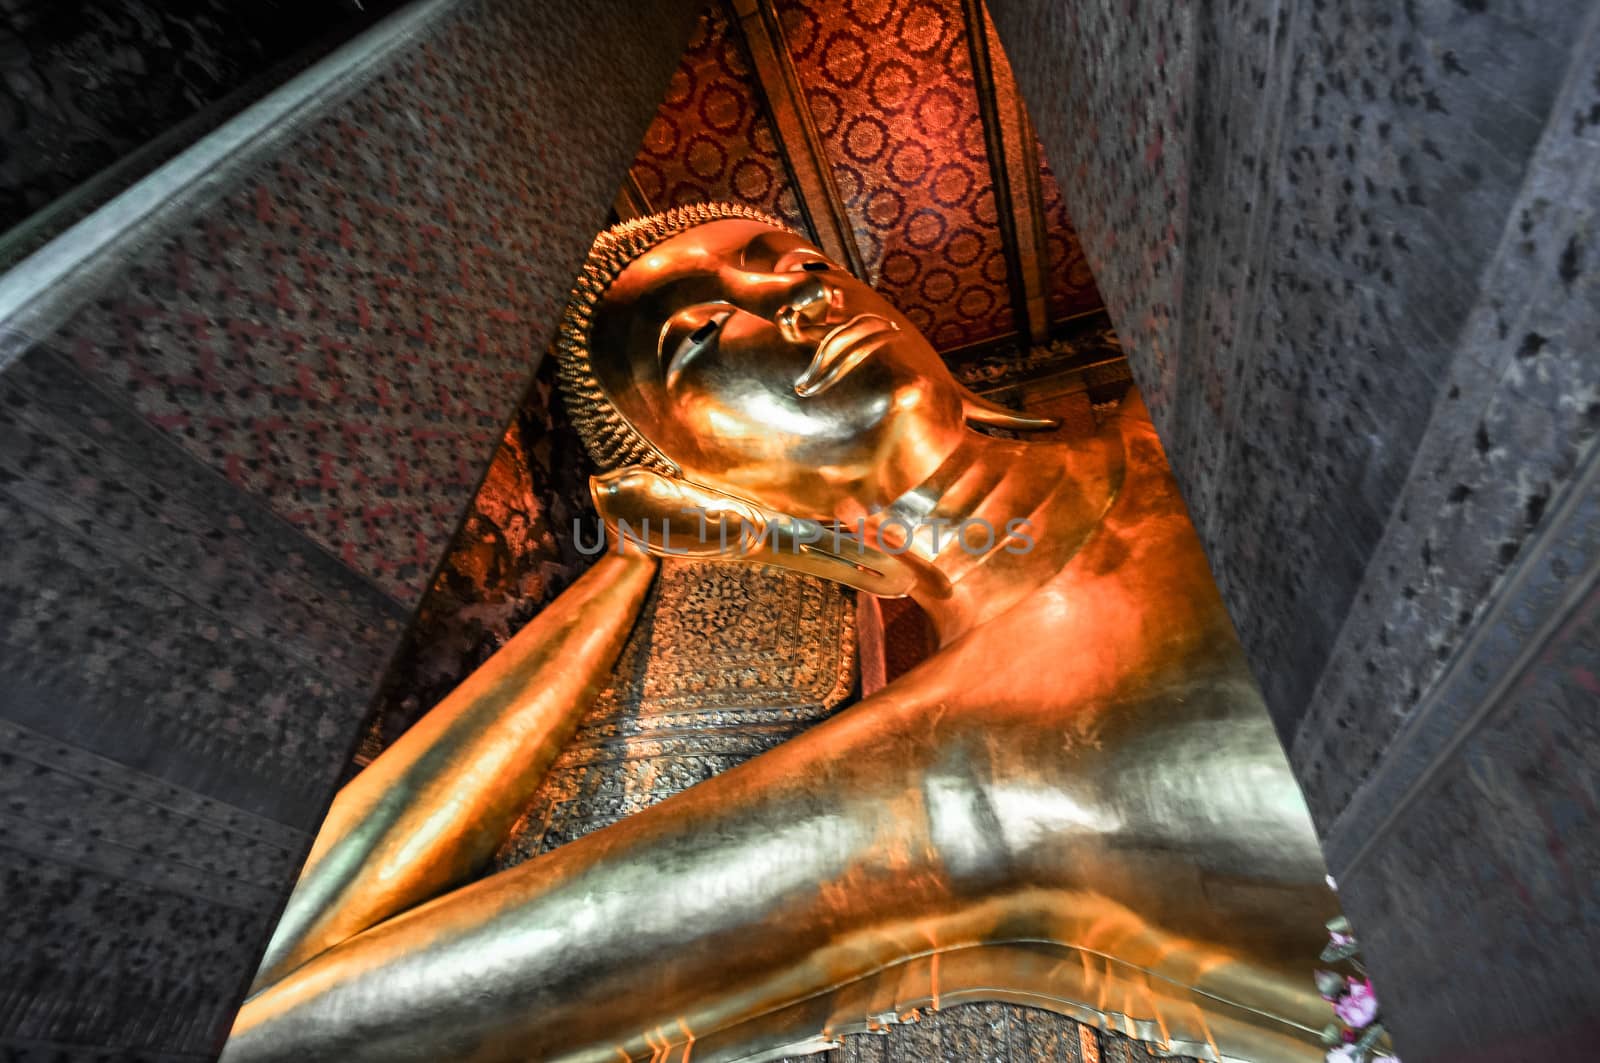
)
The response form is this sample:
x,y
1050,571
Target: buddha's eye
x,y
815,267
689,335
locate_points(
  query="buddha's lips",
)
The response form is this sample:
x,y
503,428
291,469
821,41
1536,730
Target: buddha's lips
x,y
841,350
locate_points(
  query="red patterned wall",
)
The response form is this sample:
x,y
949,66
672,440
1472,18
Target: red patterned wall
x,y
1071,289
890,88
711,139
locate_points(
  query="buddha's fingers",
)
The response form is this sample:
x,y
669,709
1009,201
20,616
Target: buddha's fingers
x,y
429,811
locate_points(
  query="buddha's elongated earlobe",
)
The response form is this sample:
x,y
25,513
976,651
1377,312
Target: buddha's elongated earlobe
x,y
979,410
672,517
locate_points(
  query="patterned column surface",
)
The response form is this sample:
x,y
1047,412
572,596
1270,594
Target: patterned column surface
x,y
235,440
1351,247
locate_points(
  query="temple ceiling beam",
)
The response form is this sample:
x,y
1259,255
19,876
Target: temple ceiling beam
x,y
798,138
1014,167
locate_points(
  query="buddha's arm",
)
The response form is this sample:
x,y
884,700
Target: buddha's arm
x,y
907,825
691,902
430,810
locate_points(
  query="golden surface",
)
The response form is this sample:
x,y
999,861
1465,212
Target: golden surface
x,y
1077,803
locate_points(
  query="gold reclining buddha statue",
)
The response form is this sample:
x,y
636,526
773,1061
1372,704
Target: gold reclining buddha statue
x,y
1077,803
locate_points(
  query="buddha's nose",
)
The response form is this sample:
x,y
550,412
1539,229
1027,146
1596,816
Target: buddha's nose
x,y
811,308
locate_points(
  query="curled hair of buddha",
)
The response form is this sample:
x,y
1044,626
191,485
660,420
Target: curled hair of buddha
x,y
611,439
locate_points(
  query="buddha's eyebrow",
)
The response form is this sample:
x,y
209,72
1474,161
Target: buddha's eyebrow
x,y
752,251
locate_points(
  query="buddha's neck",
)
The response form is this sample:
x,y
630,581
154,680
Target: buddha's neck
x,y
997,520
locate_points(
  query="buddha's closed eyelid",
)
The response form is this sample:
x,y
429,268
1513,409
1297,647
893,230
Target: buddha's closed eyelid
x,y
688,334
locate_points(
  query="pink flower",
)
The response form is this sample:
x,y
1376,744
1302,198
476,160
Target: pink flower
x,y
1358,1006
1343,1054
1340,939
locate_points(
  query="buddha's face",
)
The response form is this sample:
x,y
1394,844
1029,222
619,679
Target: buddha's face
x,y
759,366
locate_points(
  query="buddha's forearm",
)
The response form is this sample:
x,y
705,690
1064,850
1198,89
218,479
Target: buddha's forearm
x,y
714,905
430,810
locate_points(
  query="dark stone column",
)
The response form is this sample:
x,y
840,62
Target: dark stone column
x,y
241,412
1352,248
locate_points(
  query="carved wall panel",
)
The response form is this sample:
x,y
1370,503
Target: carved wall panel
x,y
1072,290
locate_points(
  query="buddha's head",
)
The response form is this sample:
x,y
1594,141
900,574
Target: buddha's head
x,y
713,345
